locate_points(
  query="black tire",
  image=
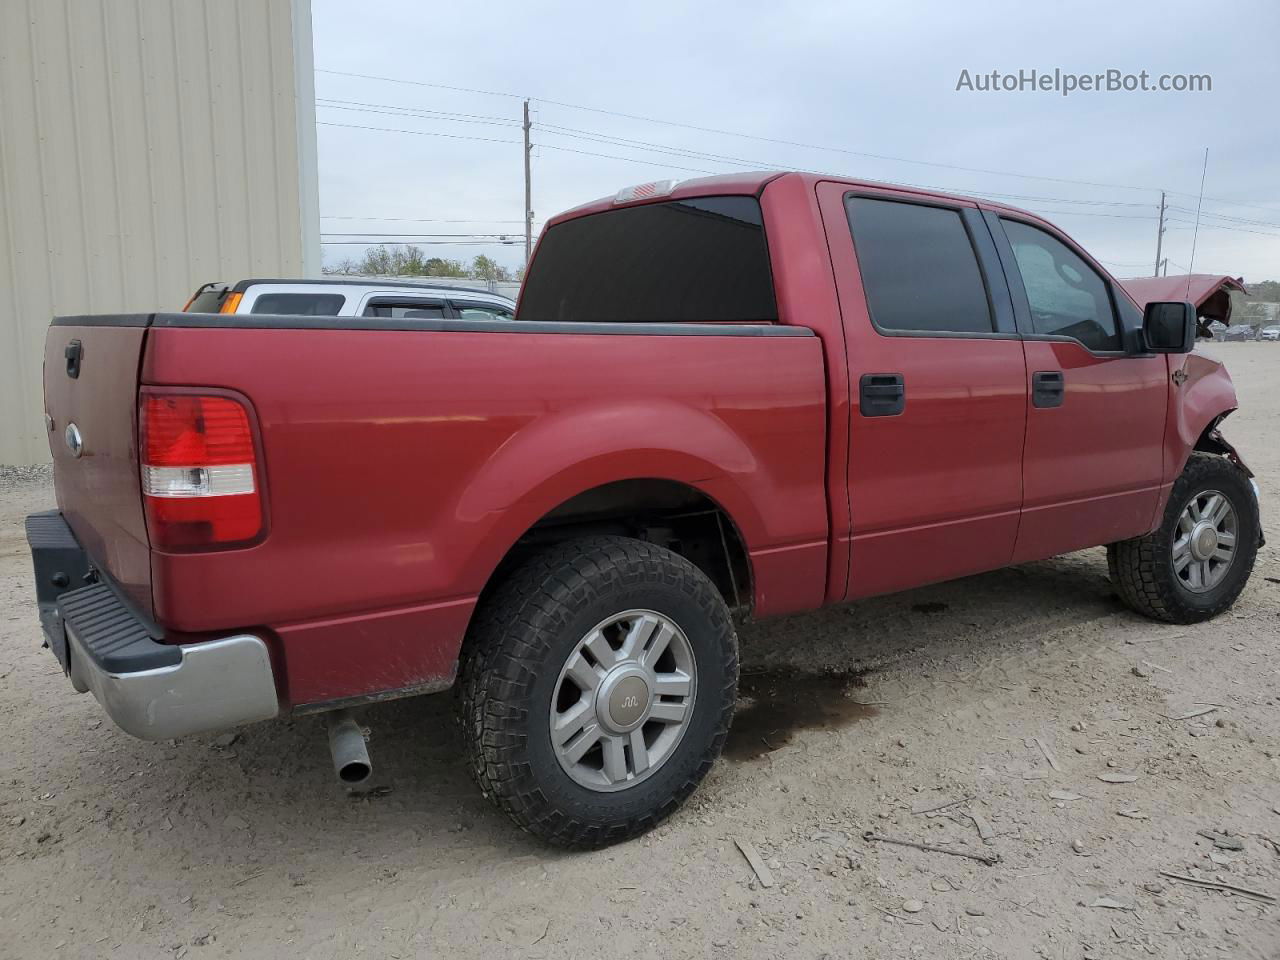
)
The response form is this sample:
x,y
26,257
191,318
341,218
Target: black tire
x,y
1142,568
523,634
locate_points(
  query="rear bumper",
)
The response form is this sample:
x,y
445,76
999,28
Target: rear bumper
x,y
152,690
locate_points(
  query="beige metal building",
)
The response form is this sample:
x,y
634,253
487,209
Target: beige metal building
x,y
146,146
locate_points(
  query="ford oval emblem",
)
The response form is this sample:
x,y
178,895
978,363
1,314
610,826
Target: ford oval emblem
x,y
75,442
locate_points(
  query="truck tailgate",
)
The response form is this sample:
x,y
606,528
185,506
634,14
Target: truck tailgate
x,y
91,400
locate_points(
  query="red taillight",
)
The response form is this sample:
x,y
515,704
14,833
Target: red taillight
x,y
199,471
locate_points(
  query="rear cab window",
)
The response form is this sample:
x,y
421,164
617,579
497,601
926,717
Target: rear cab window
x,y
300,304
919,268
700,260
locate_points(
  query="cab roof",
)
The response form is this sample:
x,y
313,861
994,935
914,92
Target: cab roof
x,y
753,184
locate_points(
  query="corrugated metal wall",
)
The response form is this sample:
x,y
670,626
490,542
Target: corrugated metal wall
x,y
146,146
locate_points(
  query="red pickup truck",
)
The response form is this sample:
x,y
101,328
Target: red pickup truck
x,y
759,393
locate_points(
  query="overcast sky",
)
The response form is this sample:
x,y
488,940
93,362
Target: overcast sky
x,y
858,78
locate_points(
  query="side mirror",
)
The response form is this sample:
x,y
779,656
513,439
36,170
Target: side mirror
x,y
1169,326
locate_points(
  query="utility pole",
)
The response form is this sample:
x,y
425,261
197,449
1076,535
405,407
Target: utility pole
x,y
1160,232
529,195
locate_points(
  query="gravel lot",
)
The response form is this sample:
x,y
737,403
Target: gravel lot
x,y
1007,695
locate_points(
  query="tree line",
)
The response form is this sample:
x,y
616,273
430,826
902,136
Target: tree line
x,y
411,261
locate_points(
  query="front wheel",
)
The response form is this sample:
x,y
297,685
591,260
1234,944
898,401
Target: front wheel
x,y
1195,565
597,689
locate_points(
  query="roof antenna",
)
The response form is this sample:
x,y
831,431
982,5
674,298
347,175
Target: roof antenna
x,y
1196,233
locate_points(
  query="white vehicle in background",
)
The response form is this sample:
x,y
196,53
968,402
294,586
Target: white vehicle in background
x,y
425,299
1270,333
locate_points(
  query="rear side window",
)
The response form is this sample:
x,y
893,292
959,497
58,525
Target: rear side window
x,y
409,309
300,304
699,260
1067,298
482,311
919,269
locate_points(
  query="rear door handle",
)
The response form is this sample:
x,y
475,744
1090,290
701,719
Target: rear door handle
x,y
1048,388
881,394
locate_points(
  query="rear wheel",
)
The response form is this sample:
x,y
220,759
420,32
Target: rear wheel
x,y
597,689
1195,565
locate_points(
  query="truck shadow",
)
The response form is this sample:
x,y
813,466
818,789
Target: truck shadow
x,y
798,672
273,788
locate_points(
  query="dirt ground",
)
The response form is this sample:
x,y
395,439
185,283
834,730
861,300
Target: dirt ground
x,y
1006,695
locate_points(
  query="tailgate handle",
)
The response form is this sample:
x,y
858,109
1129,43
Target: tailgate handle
x,y
73,353
882,395
1048,388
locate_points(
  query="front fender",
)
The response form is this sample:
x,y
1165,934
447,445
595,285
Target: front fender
x,y
1205,396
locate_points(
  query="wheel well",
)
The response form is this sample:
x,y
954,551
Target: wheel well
x,y
1210,441
666,512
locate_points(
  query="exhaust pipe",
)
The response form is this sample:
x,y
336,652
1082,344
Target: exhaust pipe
x,y
346,743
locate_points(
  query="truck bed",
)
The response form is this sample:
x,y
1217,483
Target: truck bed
x,y
401,460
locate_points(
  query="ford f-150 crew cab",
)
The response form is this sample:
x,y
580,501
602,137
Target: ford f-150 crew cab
x,y
755,393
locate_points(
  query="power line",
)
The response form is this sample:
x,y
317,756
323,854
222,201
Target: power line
x,y
794,143
695,155
1117,263
681,153
371,233
418,116
420,133
1223,216
547,146
329,216
733,133
1111,216
1188,224
426,110
425,243
612,156
421,83
1271,208
650,146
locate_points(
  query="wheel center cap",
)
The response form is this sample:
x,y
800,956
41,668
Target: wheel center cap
x,y
1204,541
623,699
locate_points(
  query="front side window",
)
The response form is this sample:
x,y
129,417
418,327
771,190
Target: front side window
x,y
919,269
1067,297
407,309
300,304
701,260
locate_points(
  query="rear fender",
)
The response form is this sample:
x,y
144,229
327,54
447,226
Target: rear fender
x,y
561,455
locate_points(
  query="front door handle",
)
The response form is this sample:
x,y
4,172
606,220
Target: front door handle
x,y
882,394
1048,388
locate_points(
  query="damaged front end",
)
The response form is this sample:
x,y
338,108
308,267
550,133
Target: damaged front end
x,y
1211,294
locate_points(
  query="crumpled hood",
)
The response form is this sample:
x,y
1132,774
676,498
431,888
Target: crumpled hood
x,y
1211,293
